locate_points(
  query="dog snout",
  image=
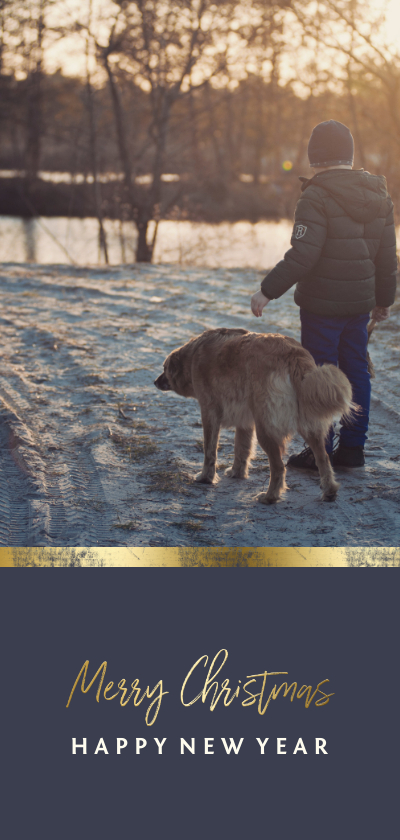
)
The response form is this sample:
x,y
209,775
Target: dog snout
x,y
162,383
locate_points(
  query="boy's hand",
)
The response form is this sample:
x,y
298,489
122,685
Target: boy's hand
x,y
258,302
380,313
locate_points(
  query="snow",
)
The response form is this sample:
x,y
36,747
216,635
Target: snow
x,y
93,454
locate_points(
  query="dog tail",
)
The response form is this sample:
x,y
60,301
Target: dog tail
x,y
323,394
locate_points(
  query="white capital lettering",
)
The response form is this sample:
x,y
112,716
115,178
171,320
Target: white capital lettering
x,y
101,747
121,744
189,747
320,743
232,745
160,744
76,746
300,746
262,744
140,744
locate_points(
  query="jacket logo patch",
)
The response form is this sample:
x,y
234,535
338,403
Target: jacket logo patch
x,y
299,231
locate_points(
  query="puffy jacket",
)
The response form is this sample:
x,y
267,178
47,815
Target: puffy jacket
x,y
343,254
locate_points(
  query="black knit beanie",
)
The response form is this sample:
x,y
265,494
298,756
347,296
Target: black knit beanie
x,y
331,144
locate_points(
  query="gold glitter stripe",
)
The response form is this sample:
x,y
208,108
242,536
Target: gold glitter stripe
x,y
199,557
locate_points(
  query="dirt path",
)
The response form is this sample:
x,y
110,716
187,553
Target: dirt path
x,y
92,454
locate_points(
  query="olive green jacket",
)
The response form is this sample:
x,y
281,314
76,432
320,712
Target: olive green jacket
x,y
343,254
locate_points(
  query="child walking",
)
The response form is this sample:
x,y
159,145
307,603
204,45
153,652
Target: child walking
x,y
343,260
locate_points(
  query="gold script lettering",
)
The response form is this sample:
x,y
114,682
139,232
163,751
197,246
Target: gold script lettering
x,y
84,671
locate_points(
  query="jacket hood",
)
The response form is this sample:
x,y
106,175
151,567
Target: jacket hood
x,y
358,192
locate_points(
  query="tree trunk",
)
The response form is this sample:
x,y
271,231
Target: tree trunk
x,y
119,124
143,250
34,111
34,126
151,209
158,163
93,150
196,154
219,160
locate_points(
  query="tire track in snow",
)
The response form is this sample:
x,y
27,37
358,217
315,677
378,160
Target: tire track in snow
x,y
79,343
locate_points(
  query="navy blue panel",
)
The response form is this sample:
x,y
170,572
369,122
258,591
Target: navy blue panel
x,y
340,624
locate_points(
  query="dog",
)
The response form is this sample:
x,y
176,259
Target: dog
x,y
263,384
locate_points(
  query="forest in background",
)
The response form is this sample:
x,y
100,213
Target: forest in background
x,y
186,109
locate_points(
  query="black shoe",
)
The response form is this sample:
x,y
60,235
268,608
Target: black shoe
x,y
348,456
304,461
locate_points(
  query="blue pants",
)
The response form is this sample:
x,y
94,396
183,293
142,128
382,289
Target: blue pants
x,y
342,342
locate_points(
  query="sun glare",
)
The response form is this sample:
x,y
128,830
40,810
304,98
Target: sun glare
x,y
69,55
392,26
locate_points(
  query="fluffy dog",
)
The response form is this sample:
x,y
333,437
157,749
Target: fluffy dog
x,y
267,384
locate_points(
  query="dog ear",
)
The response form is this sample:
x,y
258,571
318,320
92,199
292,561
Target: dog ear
x,y
171,364
177,369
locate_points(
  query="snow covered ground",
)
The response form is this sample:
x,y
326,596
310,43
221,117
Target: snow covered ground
x,y
93,454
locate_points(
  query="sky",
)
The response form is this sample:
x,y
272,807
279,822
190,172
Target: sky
x,y
393,21
69,54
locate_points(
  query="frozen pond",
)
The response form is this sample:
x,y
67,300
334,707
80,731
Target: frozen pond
x,y
61,239
76,241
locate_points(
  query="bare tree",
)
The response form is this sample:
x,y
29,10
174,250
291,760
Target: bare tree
x,y
172,47
198,88
93,141
351,29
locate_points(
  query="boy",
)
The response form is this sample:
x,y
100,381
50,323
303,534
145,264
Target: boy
x,y
343,259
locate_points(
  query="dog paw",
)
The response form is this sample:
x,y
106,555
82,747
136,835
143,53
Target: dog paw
x,y
329,497
265,499
235,473
206,479
329,493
